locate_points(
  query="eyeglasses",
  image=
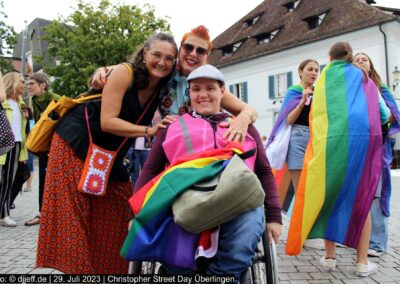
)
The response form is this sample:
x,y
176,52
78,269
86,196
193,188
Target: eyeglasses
x,y
188,48
170,60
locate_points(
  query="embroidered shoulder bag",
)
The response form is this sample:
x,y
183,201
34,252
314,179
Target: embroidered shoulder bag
x,y
99,162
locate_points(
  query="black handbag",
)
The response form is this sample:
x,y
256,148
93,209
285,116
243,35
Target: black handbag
x,y
7,139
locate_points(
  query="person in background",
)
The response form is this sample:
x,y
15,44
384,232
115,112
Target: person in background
x,y
194,51
14,85
23,171
81,233
380,209
28,185
295,110
342,163
38,88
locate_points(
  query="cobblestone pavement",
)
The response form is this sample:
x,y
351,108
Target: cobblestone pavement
x,y
18,249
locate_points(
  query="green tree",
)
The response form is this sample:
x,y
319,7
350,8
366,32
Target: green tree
x,y
95,36
8,39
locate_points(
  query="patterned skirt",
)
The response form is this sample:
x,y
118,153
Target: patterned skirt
x,y
80,233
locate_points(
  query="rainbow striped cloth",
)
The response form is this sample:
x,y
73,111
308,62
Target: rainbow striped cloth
x,y
387,150
291,100
343,160
154,234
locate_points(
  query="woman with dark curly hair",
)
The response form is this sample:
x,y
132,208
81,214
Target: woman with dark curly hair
x,y
82,233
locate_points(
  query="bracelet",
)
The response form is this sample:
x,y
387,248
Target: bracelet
x,y
251,116
146,129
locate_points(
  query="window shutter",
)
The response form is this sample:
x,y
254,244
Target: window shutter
x,y
289,79
245,97
231,88
271,87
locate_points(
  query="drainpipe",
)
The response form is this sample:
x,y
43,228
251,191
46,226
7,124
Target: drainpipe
x,y
386,53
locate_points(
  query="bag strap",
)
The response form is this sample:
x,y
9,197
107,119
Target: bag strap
x,y
126,138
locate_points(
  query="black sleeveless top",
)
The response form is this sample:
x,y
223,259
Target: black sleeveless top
x,y
72,128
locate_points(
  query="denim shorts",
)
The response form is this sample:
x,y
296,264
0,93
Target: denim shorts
x,y
299,137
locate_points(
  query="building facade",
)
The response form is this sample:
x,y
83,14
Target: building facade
x,y
259,55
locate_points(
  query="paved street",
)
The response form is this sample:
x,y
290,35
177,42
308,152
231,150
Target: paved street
x,y
18,249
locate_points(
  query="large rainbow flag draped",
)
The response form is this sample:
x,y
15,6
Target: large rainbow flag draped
x,y
387,150
343,160
291,100
154,235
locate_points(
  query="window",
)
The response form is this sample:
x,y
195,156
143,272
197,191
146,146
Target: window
x,y
251,22
239,90
278,84
315,21
291,6
228,50
267,37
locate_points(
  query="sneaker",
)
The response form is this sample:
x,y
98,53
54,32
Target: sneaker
x,y
375,253
327,263
8,222
366,269
27,189
314,243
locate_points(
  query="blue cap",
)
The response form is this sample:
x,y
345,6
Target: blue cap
x,y
206,71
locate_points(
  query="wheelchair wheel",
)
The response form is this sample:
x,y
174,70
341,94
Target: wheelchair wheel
x,y
139,267
270,260
265,267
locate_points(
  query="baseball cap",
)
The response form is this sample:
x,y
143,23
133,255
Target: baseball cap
x,y
206,71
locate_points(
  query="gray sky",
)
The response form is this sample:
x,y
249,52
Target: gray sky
x,y
216,15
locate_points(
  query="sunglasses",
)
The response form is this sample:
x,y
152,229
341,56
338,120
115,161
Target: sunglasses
x,y
188,48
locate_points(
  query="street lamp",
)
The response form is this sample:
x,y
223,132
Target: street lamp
x,y
396,77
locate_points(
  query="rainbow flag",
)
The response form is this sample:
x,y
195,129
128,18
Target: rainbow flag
x,y
291,100
387,155
343,160
154,234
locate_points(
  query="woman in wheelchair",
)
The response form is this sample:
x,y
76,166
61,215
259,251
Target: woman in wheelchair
x,y
196,133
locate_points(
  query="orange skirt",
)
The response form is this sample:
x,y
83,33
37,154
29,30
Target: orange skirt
x,y
80,233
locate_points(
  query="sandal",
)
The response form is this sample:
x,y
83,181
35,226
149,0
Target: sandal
x,y
34,221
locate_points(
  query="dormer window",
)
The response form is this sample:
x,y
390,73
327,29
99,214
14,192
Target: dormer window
x,y
315,21
267,37
230,49
251,22
291,6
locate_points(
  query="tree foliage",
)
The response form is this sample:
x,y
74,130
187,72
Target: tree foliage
x,y
8,39
95,36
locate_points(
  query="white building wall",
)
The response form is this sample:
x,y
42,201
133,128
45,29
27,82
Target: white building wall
x,y
256,71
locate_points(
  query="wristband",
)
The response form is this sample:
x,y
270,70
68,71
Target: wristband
x,y
251,116
146,130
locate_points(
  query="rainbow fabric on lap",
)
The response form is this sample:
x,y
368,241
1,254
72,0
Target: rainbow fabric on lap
x,y
342,162
154,235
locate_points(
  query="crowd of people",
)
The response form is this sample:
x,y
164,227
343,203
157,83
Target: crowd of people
x,y
199,114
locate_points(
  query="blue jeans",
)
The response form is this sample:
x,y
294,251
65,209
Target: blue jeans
x,y
137,159
379,223
238,240
379,228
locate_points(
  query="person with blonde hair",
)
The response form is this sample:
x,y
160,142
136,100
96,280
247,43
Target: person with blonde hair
x,y
13,105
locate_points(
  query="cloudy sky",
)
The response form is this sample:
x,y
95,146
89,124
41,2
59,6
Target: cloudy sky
x,y
217,15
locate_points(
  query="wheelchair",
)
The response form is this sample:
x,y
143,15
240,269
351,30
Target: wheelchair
x,y
264,268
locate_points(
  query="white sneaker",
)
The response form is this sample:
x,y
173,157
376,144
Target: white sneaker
x,y
314,243
327,264
8,222
366,269
375,253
